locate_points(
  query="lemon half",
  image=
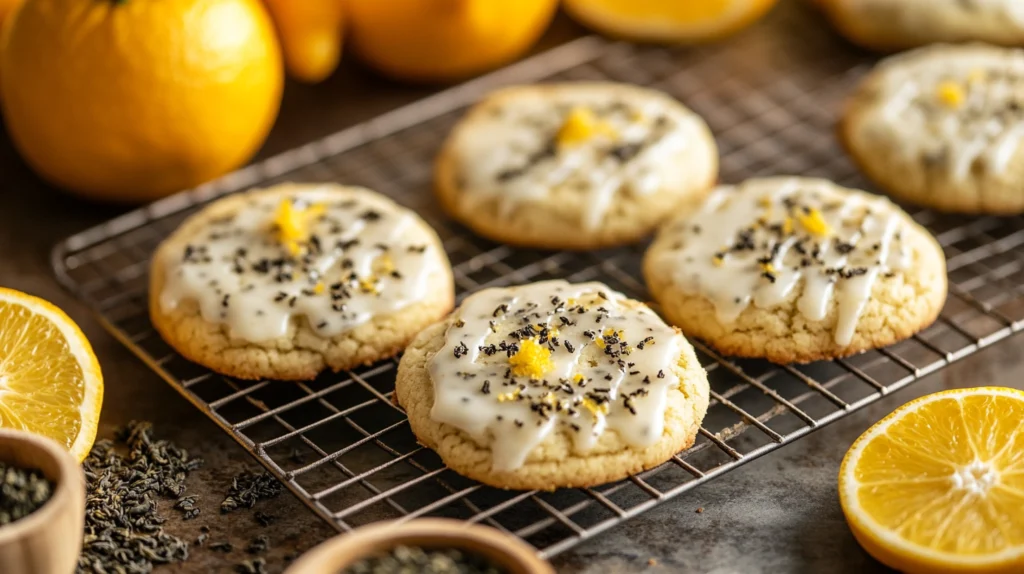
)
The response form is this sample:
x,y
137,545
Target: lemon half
x,y
50,380
668,21
938,485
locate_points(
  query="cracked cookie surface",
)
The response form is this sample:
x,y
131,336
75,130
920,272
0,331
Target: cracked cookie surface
x,y
289,281
552,385
796,270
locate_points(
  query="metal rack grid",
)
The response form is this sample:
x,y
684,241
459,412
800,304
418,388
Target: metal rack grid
x,y
342,447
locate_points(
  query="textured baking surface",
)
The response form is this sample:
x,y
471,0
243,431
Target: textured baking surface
x,y
771,96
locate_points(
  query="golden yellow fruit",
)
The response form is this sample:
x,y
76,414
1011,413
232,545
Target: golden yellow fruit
x,y
938,485
131,100
50,381
6,7
311,36
440,40
668,21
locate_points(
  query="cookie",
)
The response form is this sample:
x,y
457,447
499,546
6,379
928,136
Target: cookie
x,y
286,282
942,127
889,25
552,385
796,270
574,166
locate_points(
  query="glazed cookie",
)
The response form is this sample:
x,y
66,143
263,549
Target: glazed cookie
x,y
285,282
796,270
898,24
942,127
552,385
574,166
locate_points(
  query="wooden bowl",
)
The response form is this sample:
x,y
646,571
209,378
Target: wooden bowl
x,y
514,555
49,540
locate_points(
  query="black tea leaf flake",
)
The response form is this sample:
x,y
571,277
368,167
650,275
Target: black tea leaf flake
x,y
248,488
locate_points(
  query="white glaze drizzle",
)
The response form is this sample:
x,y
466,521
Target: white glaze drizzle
x,y
374,257
745,229
981,133
511,151
624,357
977,15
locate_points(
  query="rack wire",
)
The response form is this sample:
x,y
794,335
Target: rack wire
x,y
342,446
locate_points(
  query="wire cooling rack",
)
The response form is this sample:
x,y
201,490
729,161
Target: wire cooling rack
x,y
340,445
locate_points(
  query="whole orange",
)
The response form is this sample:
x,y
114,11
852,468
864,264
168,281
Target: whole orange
x,y
129,100
6,7
311,34
444,39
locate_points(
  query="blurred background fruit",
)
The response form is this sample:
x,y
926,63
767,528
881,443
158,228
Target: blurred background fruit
x,y
440,40
668,21
6,7
128,101
311,36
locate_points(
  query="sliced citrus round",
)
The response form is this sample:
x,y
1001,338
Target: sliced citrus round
x,y
50,381
938,485
668,20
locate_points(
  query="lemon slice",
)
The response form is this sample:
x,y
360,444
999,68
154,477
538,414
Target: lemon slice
x,y
938,485
668,20
50,381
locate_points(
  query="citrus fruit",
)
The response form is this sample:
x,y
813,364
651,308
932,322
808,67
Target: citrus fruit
x,y
938,485
129,100
311,35
668,20
50,381
6,7
434,40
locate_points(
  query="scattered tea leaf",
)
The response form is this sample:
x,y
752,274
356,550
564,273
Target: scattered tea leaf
x,y
254,566
264,519
258,545
248,488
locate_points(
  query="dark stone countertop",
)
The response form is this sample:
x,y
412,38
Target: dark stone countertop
x,y
777,514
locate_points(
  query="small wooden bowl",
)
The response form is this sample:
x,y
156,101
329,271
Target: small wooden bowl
x,y
510,553
49,540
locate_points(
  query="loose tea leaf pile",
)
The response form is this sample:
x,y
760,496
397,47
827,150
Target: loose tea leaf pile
x,y
410,559
248,488
22,492
123,524
123,531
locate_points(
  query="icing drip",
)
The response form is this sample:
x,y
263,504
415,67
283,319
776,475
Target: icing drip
x,y
766,240
963,113
520,363
336,257
591,142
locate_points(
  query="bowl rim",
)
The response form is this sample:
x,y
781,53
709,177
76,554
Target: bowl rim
x,y
367,540
70,472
